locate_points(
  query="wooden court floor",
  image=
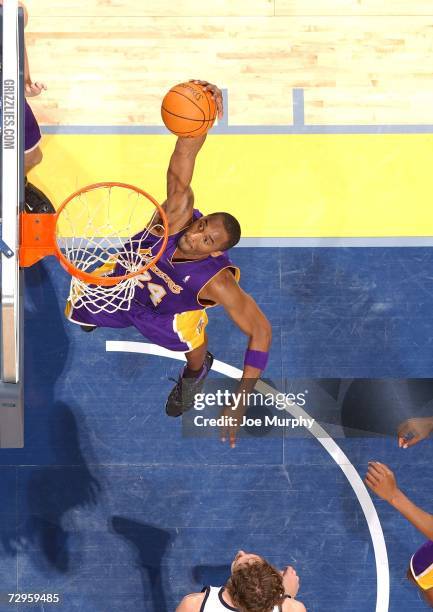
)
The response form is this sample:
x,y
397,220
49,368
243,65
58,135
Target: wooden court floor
x,y
107,62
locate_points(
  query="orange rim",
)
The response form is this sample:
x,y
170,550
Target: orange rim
x,y
88,277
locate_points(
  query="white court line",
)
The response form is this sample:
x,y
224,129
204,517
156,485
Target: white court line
x,y
355,481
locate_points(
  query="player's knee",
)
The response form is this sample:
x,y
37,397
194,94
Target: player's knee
x,y
33,158
37,158
410,577
428,596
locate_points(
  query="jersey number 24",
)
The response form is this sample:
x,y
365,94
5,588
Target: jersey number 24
x,y
156,292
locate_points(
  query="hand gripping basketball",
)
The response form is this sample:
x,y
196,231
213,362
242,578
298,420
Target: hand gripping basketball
x,y
190,109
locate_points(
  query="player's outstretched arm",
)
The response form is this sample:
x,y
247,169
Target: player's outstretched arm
x,y
245,313
291,587
381,480
180,197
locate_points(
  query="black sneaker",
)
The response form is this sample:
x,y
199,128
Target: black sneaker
x,y
182,395
35,201
88,328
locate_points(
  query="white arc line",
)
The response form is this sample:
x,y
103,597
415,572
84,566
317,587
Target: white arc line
x,y
355,481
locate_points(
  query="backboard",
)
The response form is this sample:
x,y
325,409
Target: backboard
x,y
12,202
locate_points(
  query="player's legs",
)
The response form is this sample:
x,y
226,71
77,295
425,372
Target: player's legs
x,y
428,595
189,383
195,359
191,379
184,332
91,320
35,200
32,158
420,571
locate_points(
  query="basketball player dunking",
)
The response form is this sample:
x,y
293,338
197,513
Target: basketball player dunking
x,y
194,273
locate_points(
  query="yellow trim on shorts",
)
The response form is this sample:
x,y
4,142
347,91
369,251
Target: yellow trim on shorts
x,y
70,303
424,580
190,327
103,270
69,312
106,268
68,309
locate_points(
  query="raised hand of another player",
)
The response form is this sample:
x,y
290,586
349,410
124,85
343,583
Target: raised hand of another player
x,y
32,90
216,95
290,581
412,431
381,480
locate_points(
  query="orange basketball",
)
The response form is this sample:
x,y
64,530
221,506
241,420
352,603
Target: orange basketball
x,y
188,110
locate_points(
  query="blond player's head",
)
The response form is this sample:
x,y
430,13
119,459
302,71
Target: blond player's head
x,y
254,585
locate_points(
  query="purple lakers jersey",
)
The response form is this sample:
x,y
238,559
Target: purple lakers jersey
x,y
172,287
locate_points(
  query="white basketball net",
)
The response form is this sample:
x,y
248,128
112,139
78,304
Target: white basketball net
x,y
97,298
94,232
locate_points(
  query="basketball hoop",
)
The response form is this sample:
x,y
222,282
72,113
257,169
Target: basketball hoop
x,y
100,234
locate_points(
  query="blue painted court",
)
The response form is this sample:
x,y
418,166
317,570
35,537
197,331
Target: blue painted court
x,y
109,506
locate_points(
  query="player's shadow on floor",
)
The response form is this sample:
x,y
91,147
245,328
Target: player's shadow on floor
x,y
379,406
211,575
50,493
46,349
63,482
151,543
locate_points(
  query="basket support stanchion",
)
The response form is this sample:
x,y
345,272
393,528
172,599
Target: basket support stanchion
x,y
37,237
